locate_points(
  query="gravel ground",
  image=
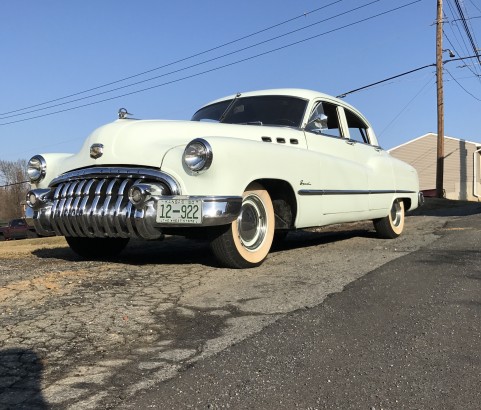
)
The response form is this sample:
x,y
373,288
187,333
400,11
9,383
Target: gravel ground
x,y
90,334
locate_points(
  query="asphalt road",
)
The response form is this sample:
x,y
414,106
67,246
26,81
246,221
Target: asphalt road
x,y
333,319
405,336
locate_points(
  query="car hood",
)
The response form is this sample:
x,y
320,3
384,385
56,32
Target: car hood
x,y
145,142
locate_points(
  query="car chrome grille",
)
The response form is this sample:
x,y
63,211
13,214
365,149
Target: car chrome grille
x,y
95,207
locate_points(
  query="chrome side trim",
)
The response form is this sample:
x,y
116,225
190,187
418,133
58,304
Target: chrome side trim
x,y
350,192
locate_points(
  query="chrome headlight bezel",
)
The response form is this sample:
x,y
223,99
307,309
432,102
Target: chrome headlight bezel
x,y
36,168
197,156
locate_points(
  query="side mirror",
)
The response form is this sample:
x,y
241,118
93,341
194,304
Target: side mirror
x,y
318,122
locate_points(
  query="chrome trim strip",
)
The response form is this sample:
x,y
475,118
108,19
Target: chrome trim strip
x,y
120,212
107,210
119,172
68,207
96,208
75,208
350,192
83,213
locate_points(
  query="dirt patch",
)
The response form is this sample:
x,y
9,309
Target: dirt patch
x,y
25,247
38,288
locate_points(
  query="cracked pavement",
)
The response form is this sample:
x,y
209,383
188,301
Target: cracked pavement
x,y
88,334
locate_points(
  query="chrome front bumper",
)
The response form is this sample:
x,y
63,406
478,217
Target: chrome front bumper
x,y
129,222
100,207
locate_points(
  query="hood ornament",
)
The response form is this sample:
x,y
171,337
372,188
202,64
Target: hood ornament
x,y
96,150
123,113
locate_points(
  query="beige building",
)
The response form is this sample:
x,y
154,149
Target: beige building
x,y
462,165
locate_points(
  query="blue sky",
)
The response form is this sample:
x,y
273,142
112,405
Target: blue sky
x,y
52,49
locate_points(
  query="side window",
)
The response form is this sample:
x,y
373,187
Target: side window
x,y
330,126
357,127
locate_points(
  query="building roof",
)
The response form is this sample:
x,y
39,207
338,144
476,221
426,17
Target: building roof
x,y
429,134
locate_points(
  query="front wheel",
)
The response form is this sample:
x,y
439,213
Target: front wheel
x,y
97,248
391,226
247,241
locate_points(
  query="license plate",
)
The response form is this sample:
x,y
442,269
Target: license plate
x,y
179,211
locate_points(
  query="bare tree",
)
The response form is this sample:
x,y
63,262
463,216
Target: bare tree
x,y
13,188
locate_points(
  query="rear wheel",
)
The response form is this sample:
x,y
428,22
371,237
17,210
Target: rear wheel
x,y
247,241
97,248
391,226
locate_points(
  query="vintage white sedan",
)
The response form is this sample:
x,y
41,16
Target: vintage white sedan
x,y
246,169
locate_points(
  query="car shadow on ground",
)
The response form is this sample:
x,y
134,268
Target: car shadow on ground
x,y
446,208
20,381
176,251
181,251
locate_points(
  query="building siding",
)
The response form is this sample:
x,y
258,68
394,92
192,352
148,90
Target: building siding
x,y
458,180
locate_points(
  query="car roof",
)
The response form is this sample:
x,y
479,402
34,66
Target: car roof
x,y
290,92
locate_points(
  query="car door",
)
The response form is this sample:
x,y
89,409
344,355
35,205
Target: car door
x,y
376,161
344,185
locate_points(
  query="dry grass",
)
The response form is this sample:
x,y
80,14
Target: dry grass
x,y
25,247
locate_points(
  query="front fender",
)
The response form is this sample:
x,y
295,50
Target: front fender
x,y
236,163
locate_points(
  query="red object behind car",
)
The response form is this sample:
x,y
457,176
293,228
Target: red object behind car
x,y
16,229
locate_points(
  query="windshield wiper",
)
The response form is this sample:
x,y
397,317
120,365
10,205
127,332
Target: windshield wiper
x,y
229,107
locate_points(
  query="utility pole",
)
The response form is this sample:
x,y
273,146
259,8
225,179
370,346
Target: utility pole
x,y
440,95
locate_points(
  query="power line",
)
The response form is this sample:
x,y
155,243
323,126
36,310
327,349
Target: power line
x,y
303,15
193,65
401,75
474,4
466,29
466,48
457,82
14,184
220,67
407,105
386,79
457,53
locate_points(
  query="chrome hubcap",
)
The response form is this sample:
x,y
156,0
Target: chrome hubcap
x,y
252,223
396,213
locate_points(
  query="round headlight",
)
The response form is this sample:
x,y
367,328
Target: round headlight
x,y
36,168
198,155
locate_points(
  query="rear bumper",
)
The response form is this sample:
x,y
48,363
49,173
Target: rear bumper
x,y
420,198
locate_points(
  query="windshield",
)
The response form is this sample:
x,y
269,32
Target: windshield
x,y
263,110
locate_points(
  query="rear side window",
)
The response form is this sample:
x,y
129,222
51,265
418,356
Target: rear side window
x,y
357,127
